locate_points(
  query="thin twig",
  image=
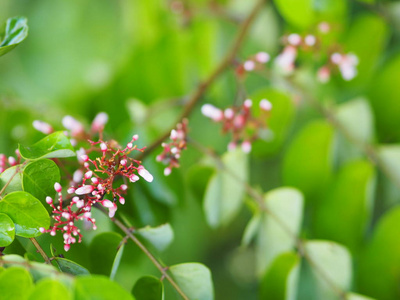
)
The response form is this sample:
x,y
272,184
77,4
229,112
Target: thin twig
x,y
9,180
202,88
41,251
259,199
162,269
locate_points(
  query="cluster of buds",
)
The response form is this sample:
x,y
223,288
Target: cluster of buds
x,y
172,150
255,62
93,182
75,129
7,162
294,43
239,120
65,217
346,63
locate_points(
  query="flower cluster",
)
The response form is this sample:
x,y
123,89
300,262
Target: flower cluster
x,y
346,63
101,165
294,44
240,121
172,150
255,62
7,162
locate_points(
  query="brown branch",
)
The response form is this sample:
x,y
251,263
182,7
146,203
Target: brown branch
x,y
202,88
41,251
162,269
17,169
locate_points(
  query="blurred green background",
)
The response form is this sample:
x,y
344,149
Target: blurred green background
x,y
139,60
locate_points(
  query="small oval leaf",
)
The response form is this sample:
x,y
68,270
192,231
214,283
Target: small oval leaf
x,y
27,213
7,230
50,289
38,178
15,283
160,237
13,176
98,287
52,146
194,279
15,31
148,288
70,267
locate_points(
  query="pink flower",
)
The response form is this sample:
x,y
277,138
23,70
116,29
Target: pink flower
x,y
99,122
42,127
84,189
145,174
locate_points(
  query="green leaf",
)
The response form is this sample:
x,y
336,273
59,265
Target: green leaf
x,y
50,289
384,94
70,267
7,230
160,237
389,156
15,283
334,261
278,123
148,288
27,213
356,118
281,279
382,259
103,250
117,261
15,31
13,174
99,287
39,177
194,279
307,164
358,41
224,193
54,145
351,197
304,13
285,206
353,296
251,229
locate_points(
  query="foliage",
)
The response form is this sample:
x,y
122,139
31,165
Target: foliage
x,y
237,150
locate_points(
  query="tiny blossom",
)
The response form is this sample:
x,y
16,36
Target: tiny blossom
x,y
255,62
145,174
346,63
310,40
324,27
265,105
285,61
99,122
294,39
172,150
42,127
73,125
85,189
57,187
243,125
77,176
324,74
249,65
262,57
212,112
